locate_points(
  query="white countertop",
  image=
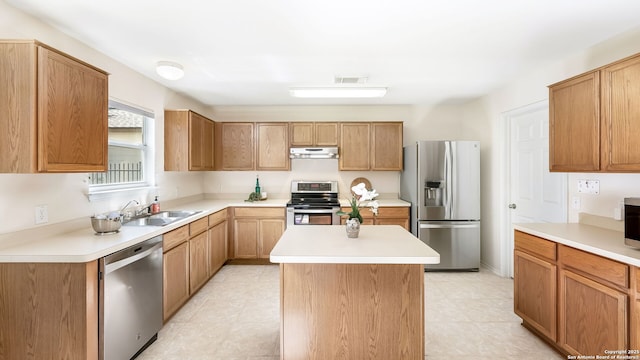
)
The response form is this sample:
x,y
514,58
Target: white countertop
x,y
80,244
593,239
377,244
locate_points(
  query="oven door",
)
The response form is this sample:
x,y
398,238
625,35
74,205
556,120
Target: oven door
x,y
312,216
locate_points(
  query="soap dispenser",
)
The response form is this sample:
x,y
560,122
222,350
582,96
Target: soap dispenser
x,y
257,191
155,206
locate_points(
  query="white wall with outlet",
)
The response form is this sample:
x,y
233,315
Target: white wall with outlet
x,y
613,188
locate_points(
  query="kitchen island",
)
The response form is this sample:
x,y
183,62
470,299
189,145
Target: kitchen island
x,y
343,298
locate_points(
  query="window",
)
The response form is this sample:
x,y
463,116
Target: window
x,y
128,150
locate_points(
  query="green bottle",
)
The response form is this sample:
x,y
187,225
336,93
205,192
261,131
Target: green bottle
x,y
258,186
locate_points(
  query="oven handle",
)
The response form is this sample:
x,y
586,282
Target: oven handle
x,y
312,211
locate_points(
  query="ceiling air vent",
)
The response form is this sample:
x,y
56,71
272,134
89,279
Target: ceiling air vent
x,y
350,79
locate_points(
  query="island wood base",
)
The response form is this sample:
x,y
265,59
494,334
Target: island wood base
x,y
351,311
49,311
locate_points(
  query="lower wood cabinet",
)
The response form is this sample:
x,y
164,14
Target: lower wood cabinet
x,y
198,261
386,216
593,317
218,240
534,292
175,270
634,318
192,255
535,298
592,303
49,311
592,296
256,230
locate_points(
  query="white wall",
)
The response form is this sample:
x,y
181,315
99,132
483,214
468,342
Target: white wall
x,y
64,194
530,88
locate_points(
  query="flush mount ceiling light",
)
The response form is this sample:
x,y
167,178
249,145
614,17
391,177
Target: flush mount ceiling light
x,y
169,70
338,92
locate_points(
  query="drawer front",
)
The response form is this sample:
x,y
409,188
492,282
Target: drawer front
x,y
261,212
596,266
217,217
365,212
393,212
198,226
175,237
535,245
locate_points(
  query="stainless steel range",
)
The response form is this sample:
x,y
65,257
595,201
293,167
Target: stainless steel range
x,y
313,203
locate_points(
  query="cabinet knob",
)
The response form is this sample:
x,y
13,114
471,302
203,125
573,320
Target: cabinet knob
x,y
512,206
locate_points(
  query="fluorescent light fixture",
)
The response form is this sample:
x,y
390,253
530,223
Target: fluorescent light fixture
x,y
338,92
169,70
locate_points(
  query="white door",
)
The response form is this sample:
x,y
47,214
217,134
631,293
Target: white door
x,y
535,194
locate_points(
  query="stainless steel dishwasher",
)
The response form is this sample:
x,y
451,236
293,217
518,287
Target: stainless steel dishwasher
x,y
130,300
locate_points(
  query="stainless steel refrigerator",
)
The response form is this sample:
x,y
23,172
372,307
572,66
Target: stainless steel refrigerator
x,y
441,179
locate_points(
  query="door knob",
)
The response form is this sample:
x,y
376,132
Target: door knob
x,y
512,206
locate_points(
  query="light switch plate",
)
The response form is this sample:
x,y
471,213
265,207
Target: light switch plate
x,y
575,203
42,214
589,187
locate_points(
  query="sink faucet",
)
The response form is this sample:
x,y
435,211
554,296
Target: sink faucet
x,y
144,210
129,203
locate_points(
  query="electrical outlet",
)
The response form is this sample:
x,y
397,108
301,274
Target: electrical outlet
x,y
42,214
589,186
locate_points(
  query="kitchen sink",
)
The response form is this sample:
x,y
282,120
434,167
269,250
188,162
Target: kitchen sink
x,y
160,219
173,214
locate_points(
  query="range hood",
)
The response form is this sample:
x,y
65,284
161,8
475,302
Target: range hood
x,y
313,153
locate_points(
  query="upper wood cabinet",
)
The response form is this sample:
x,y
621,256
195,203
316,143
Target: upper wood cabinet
x,y
188,141
272,146
386,146
594,120
54,111
355,145
371,146
314,133
574,124
301,134
252,146
234,146
620,88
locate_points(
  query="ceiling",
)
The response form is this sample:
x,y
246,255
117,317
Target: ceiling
x,y
249,52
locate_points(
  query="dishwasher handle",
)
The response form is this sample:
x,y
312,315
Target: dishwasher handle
x,y
109,268
449,226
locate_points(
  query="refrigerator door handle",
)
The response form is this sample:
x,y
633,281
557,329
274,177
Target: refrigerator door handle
x,y
448,181
453,155
448,226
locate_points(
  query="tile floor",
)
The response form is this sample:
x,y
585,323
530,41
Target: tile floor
x,y
236,316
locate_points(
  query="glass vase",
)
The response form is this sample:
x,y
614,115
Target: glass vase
x,y
353,228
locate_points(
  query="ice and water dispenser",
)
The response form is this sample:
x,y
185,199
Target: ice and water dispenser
x,y
433,193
